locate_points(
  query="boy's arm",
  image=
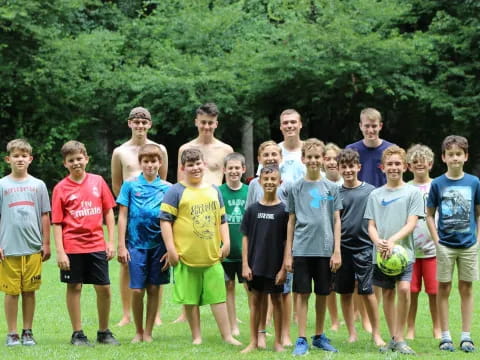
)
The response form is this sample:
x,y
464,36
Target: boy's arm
x,y
336,259
246,271
373,234
431,224
225,234
116,168
288,245
406,230
179,168
45,236
477,213
167,234
110,223
164,168
123,255
62,258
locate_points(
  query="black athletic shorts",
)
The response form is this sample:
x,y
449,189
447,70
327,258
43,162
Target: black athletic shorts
x,y
264,285
232,268
90,268
389,282
316,268
355,266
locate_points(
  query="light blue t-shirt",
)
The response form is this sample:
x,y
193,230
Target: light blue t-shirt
x,y
143,200
314,204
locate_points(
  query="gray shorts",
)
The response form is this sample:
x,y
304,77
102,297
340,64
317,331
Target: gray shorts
x,y
388,282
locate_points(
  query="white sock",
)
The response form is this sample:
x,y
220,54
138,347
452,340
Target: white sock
x,y
446,335
465,336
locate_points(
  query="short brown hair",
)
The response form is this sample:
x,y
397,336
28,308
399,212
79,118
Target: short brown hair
x,y
348,156
19,144
209,109
458,140
371,114
150,150
235,156
73,147
394,150
268,169
268,143
190,155
313,143
290,112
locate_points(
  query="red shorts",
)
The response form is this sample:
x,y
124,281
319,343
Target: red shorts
x,y
426,268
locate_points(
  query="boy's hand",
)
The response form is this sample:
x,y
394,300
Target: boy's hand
x,y
289,263
281,277
45,252
247,272
224,251
172,257
63,261
335,262
110,250
387,249
166,265
123,256
1,254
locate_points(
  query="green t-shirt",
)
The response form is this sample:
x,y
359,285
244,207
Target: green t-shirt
x,y
234,201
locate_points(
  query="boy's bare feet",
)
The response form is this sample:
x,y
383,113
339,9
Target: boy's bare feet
x,y
437,334
367,326
137,339
180,319
251,347
235,331
124,321
197,341
158,320
147,338
335,326
278,347
262,339
352,338
410,334
287,341
378,341
232,341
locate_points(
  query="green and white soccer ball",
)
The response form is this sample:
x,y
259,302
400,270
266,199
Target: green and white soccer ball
x,y
396,263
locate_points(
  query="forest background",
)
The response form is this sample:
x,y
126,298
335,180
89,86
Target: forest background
x,y
73,69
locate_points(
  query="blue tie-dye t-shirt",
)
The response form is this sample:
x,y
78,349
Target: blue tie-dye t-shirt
x,y
143,200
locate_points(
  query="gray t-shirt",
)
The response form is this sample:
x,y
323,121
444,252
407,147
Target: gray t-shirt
x,y
255,193
22,204
314,204
390,209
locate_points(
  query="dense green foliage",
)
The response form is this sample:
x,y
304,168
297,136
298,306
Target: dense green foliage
x,y
72,69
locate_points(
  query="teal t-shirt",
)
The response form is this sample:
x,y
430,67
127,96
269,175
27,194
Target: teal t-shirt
x,y
235,209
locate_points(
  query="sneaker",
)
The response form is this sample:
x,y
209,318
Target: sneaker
x,y
27,337
391,346
323,343
467,345
106,337
79,339
404,349
301,347
13,339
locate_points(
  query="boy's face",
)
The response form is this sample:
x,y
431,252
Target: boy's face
x,y
455,157
76,164
139,127
270,181
349,171
19,160
150,166
370,128
234,170
420,167
330,162
290,125
194,170
206,124
394,167
313,158
270,155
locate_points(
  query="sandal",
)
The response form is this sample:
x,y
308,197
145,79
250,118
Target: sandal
x,y
467,345
446,345
404,349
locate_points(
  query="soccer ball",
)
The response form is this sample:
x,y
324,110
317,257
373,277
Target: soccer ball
x,y
395,264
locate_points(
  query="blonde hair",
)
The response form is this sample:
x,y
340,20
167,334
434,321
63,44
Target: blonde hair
x,y
334,147
290,112
419,152
19,144
268,143
394,150
73,147
313,143
150,150
371,114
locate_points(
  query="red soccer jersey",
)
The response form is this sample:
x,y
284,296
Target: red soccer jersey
x,y
79,208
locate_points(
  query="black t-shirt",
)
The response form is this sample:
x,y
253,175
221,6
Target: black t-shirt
x,y
266,230
354,226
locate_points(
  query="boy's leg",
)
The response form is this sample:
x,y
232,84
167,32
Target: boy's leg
x,y
11,312
232,314
286,313
333,311
320,310
125,295
371,306
137,309
388,296
103,305
403,304
466,298
302,310
73,305
261,331
192,313
277,320
255,300
444,289
221,317
429,270
412,314
158,317
152,308
28,309
348,315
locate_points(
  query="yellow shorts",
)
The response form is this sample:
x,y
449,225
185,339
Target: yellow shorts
x,y
21,274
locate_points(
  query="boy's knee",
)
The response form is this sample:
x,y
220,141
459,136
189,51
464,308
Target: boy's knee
x,y
103,290
230,285
74,287
465,287
137,291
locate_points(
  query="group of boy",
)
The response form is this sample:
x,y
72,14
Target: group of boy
x,y
324,233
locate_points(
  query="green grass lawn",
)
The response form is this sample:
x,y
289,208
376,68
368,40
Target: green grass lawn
x,y
52,331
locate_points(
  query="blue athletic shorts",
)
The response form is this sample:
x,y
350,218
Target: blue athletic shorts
x,y
146,269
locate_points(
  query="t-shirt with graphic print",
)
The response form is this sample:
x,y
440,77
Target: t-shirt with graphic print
x,y
79,208
22,204
424,245
314,204
234,201
196,214
390,209
455,201
143,200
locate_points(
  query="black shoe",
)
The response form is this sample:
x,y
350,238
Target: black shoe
x,y
79,339
27,338
106,337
